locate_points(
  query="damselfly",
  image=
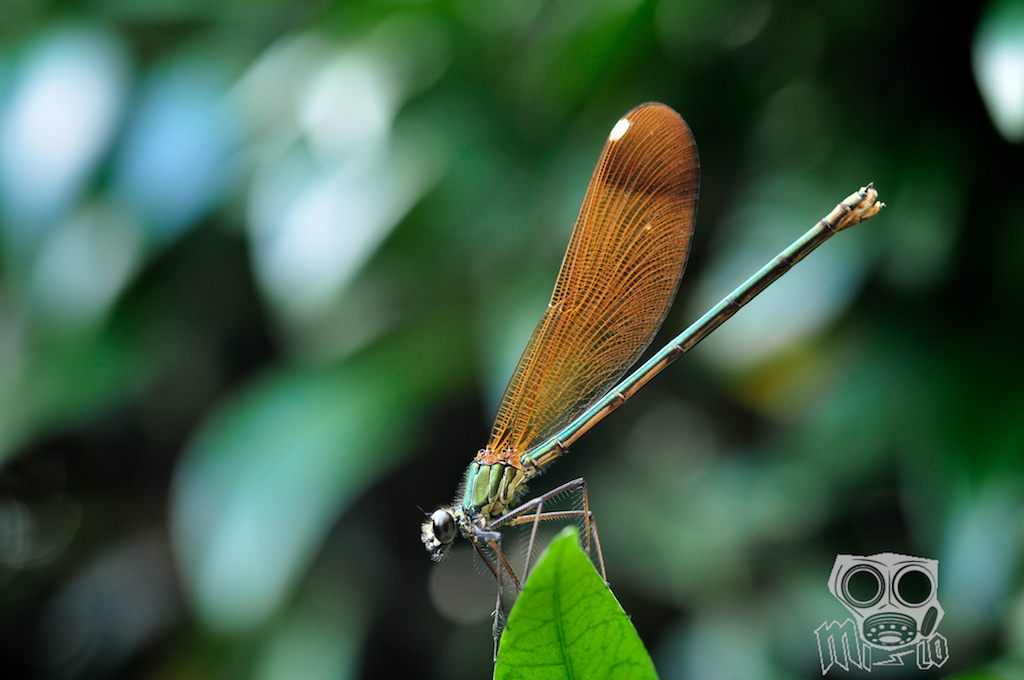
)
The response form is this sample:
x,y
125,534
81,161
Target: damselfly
x,y
619,275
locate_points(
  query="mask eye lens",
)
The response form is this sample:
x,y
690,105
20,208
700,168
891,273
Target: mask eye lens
x,y
914,586
862,586
444,526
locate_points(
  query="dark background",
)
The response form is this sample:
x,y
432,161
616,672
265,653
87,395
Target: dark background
x,y
266,268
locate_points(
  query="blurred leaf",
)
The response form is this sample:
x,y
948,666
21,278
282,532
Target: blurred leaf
x,y
567,624
113,605
998,58
926,216
719,645
58,121
691,27
337,172
82,266
550,76
178,151
266,478
319,638
980,547
47,385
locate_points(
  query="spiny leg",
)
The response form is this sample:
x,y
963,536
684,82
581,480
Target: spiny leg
x,y
495,627
597,544
518,516
495,544
493,540
486,559
588,517
592,527
533,541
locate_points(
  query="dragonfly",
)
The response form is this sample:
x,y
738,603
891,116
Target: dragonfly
x,y
620,273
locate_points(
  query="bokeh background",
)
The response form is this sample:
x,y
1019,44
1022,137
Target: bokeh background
x,y
265,269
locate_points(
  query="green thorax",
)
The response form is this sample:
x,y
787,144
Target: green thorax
x,y
489,490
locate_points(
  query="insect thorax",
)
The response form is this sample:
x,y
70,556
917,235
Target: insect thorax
x,y
489,489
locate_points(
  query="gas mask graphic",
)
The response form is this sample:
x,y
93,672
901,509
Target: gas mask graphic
x,y
892,597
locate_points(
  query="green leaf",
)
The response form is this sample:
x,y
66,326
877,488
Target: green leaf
x,y
567,624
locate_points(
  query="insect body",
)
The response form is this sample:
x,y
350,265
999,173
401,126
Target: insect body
x,y
619,275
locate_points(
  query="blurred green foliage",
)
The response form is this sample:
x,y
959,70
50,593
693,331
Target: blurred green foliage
x,y
266,267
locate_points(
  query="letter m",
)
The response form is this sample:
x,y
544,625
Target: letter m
x,y
839,643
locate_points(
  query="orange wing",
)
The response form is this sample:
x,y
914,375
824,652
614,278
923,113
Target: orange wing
x,y
619,275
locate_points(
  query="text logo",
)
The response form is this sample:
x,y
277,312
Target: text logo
x,y
894,602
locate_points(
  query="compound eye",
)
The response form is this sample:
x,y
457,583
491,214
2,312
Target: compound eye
x,y
444,526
